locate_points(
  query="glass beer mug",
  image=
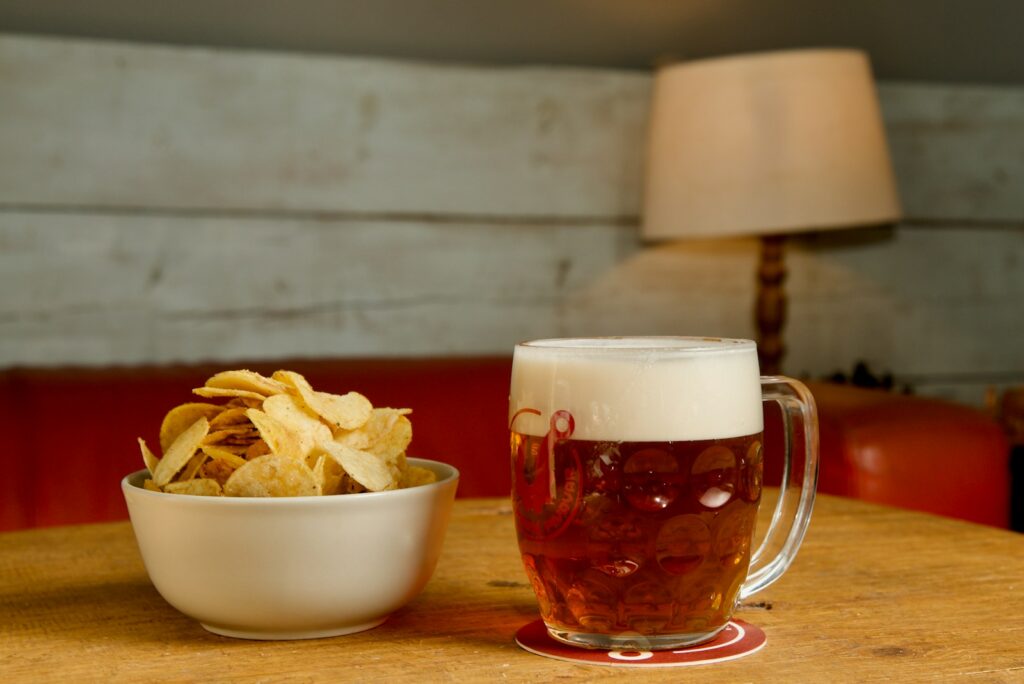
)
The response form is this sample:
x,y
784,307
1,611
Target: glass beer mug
x,y
636,479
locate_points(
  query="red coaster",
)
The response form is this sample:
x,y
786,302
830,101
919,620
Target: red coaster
x,y
738,639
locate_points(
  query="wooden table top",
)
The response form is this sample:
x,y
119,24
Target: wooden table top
x,y
876,593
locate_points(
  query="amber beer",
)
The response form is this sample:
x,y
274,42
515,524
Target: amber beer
x,y
641,537
637,467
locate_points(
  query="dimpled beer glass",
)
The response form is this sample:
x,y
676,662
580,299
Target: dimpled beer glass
x,y
636,478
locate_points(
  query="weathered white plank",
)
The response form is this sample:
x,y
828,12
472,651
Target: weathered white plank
x,y
188,135
917,302
115,125
914,302
117,289
699,288
958,150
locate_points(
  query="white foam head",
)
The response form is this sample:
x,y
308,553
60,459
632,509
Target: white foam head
x,y
636,389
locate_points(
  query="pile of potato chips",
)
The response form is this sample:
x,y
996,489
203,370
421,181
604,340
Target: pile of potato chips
x,y
278,436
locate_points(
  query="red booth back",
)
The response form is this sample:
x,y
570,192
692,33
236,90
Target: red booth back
x,y
69,435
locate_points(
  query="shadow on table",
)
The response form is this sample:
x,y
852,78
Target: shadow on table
x,y
132,612
481,625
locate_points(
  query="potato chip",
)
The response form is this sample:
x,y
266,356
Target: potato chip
x,y
237,393
246,380
369,470
273,475
349,486
217,469
229,417
318,469
292,380
394,431
201,487
415,476
147,456
240,443
332,477
279,437
180,451
236,449
328,473
243,403
256,449
347,412
225,433
387,433
307,426
219,454
192,467
179,418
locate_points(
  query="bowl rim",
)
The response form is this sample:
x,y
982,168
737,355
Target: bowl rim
x,y
448,474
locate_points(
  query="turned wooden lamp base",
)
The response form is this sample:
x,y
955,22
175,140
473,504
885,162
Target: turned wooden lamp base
x,y
770,308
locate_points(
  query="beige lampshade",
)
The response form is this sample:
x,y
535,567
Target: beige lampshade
x,y
767,143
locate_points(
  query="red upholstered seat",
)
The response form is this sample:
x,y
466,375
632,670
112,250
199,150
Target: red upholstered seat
x,y
69,435
913,452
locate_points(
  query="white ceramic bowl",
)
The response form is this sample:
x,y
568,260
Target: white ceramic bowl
x,y
291,568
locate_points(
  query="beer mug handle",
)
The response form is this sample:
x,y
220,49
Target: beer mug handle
x,y
799,483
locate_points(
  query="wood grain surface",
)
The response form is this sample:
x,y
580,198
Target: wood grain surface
x,y
876,594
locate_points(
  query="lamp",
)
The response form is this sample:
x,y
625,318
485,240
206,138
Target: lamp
x,y
767,144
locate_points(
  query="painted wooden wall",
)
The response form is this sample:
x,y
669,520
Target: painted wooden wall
x,y
166,204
